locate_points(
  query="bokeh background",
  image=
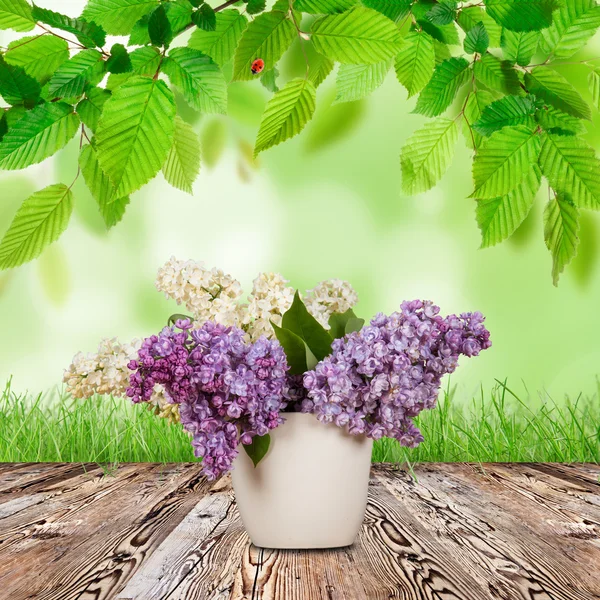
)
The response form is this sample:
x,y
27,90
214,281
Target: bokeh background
x,y
326,204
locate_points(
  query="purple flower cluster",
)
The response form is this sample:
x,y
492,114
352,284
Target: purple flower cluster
x,y
228,391
376,380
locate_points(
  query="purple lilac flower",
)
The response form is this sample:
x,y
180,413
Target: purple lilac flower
x,y
378,379
228,391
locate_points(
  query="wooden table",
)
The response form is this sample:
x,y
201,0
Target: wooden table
x,y
149,532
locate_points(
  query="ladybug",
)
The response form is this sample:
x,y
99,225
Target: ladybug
x,y
257,66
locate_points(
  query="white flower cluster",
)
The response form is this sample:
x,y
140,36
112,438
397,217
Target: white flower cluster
x,y
328,297
270,298
209,294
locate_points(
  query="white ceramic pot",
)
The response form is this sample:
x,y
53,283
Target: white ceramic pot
x,y
309,491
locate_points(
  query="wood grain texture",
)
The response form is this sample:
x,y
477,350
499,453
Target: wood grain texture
x,y
162,532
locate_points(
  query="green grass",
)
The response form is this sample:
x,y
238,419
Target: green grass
x,y
495,426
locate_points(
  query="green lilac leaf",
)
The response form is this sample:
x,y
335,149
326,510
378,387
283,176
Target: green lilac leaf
x,y
521,15
296,350
16,87
415,62
40,133
90,35
506,112
16,15
427,155
497,74
354,324
441,90
477,39
71,77
39,222
90,108
286,114
355,82
183,162
258,449
117,17
205,18
40,56
338,322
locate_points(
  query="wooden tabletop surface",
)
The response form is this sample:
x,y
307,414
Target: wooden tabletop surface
x,y
151,531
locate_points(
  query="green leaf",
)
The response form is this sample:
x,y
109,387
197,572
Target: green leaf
x,y
89,34
521,15
343,323
14,114
112,208
323,7
159,27
474,108
144,61
553,88
254,7
269,80
573,25
183,162
477,40
199,78
443,13
471,16
561,228
296,350
519,47
358,81
205,18
3,125
506,112
140,111
72,76
594,86
320,67
392,9
179,15
117,17
267,37
16,14
40,133
286,114
447,34
415,62
119,60
552,119
497,75
258,449
221,43
354,324
427,155
16,87
40,221
504,160
499,218
571,167
40,56
298,320
358,36
90,108
441,91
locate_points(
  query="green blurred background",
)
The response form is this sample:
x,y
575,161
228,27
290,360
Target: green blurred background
x,y
326,204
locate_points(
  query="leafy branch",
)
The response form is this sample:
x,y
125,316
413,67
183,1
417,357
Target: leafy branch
x,y
492,64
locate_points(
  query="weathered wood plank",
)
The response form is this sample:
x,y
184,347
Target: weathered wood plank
x,y
30,478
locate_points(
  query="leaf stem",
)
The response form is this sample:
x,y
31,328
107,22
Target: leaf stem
x,y
300,37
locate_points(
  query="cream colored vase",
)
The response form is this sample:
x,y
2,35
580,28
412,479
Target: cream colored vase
x,y
309,491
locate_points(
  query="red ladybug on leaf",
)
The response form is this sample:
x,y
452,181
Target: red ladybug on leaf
x,y
257,66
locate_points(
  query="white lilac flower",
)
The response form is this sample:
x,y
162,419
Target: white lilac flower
x,y
328,297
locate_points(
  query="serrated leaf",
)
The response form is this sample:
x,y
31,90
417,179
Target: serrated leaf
x,y
40,221
474,108
519,47
286,114
112,208
594,86
144,61
3,125
553,88
392,9
139,111
561,227
119,61
221,43
159,27
477,39
90,108
253,7
205,18
90,35
496,74
573,24
267,37
269,80
443,13
572,168
258,449
183,162
39,56
179,15
320,67
72,76
358,36
415,62
504,160
298,320
427,155
499,218
16,87
551,118
521,15
506,112
199,78
358,81
40,133
14,114
470,16
16,15
324,7
447,34
441,91
117,17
